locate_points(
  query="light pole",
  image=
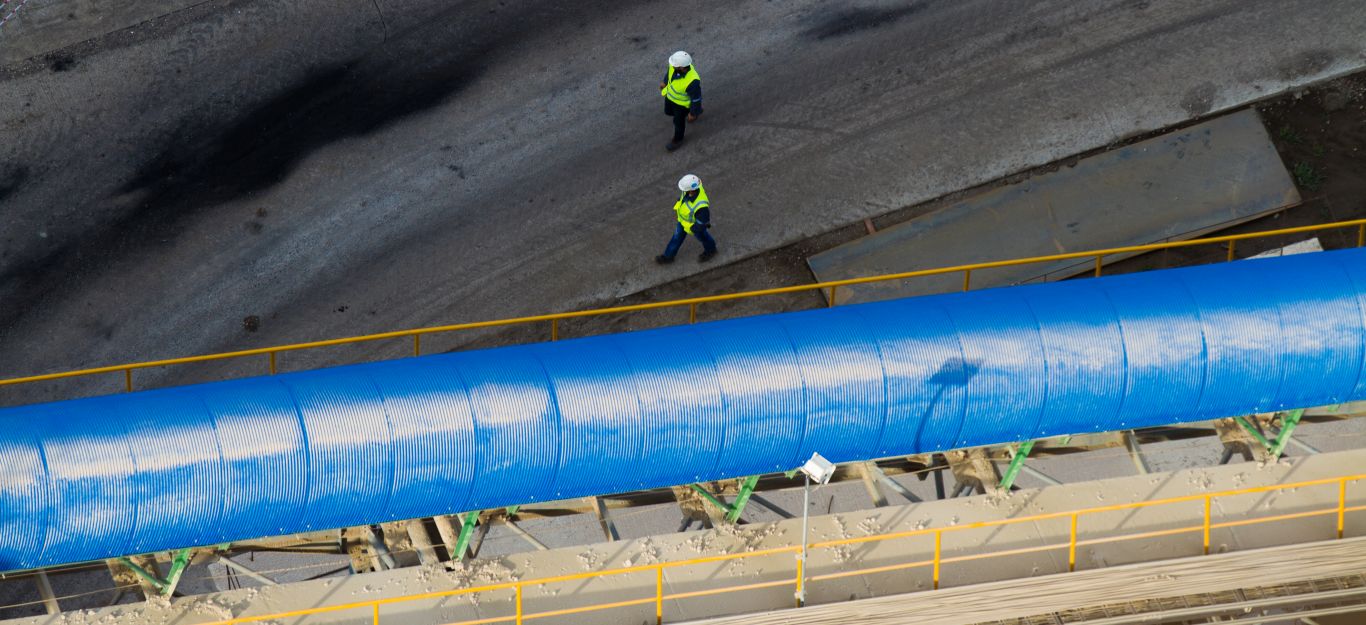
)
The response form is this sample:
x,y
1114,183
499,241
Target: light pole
x,y
819,470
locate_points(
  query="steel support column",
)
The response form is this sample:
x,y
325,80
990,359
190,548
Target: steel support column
x,y
1016,461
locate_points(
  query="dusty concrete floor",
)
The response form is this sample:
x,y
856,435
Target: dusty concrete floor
x,y
337,168
1319,131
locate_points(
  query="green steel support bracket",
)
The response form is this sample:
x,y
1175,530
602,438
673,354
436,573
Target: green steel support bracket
x,y
742,498
151,579
1288,423
1016,463
710,497
1251,429
178,564
179,560
467,524
733,511
512,510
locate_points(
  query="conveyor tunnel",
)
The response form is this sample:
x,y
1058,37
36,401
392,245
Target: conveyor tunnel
x,y
200,465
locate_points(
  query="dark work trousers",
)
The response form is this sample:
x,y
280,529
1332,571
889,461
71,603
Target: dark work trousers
x,y
698,230
680,115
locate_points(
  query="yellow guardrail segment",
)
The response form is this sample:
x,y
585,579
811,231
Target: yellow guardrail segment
x,y
937,562
692,303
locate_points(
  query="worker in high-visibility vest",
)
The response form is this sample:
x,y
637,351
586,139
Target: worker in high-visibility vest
x,y
682,91
693,212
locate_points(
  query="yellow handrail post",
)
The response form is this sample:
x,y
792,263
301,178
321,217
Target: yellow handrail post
x,y
1098,257
938,544
554,329
1231,244
128,380
1207,500
417,344
1361,235
659,595
692,313
375,605
798,594
519,604
1342,504
272,363
1072,546
832,295
967,278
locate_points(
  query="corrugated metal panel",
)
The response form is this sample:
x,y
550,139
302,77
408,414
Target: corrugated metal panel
x,y
25,497
517,427
353,445
178,470
926,374
763,395
1000,338
1084,352
841,369
1319,323
680,404
1164,350
601,433
90,471
265,456
350,459
433,437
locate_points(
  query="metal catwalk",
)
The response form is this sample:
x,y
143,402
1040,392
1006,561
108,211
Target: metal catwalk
x,y
199,465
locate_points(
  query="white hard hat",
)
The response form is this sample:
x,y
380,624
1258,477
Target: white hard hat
x,y
680,59
689,183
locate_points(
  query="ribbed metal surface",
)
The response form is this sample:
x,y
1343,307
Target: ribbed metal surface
x,y
197,465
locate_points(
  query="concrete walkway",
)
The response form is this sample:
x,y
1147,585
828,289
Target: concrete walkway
x,y
1040,548
337,167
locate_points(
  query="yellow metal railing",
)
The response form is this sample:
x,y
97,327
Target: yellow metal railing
x,y
518,588
692,303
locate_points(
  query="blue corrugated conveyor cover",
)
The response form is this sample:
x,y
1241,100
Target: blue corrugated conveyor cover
x,y
200,465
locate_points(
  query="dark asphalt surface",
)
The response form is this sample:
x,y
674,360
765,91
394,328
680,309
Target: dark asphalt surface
x,y
337,167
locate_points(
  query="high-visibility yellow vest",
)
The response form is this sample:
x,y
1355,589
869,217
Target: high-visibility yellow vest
x,y
687,211
676,89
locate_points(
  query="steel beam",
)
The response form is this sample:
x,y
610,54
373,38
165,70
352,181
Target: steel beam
x,y
445,526
893,485
245,570
1136,452
467,524
609,528
422,541
1288,422
45,592
870,484
517,529
164,587
1016,461
375,538
1040,475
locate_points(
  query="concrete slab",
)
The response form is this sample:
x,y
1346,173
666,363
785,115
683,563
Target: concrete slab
x,y
1172,187
44,27
1049,538
1007,601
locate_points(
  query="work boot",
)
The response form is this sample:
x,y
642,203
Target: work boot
x,y
674,145
706,255
664,260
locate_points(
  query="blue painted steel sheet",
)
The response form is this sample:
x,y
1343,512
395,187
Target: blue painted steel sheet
x,y
205,464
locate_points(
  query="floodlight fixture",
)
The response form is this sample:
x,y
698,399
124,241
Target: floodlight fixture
x,y
818,469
